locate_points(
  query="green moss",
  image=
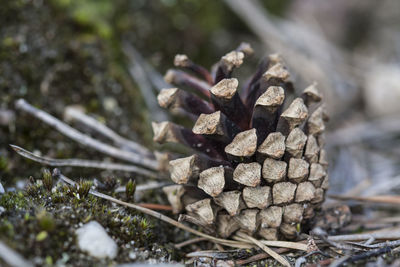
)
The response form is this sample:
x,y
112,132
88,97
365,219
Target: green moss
x,y
13,200
130,189
42,223
47,179
82,188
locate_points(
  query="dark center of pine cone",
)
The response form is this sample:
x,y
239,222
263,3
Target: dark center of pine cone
x,y
257,163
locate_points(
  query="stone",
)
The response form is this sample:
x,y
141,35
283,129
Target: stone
x,y
93,239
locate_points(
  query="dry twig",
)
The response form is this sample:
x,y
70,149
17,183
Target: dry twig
x,y
126,144
12,258
84,139
378,245
323,236
385,234
85,163
366,255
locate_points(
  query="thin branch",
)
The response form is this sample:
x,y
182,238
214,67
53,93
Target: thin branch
x,y
378,245
84,139
85,163
366,255
387,234
92,123
12,258
334,243
157,215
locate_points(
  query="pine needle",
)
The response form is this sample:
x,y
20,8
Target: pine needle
x,y
278,244
385,199
272,253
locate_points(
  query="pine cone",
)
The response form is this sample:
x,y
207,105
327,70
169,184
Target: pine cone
x,y
257,165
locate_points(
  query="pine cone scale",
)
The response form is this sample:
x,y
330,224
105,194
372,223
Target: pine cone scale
x,y
258,162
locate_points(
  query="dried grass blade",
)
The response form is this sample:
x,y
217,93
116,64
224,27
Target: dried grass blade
x,y
272,253
285,244
385,199
278,244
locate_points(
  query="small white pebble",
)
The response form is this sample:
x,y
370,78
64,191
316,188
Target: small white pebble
x,y
93,239
132,255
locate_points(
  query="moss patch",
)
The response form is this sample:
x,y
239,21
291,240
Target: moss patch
x,y
40,223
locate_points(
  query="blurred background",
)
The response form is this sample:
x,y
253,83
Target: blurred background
x,y
108,57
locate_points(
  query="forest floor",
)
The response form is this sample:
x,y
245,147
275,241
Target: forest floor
x,y
53,55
